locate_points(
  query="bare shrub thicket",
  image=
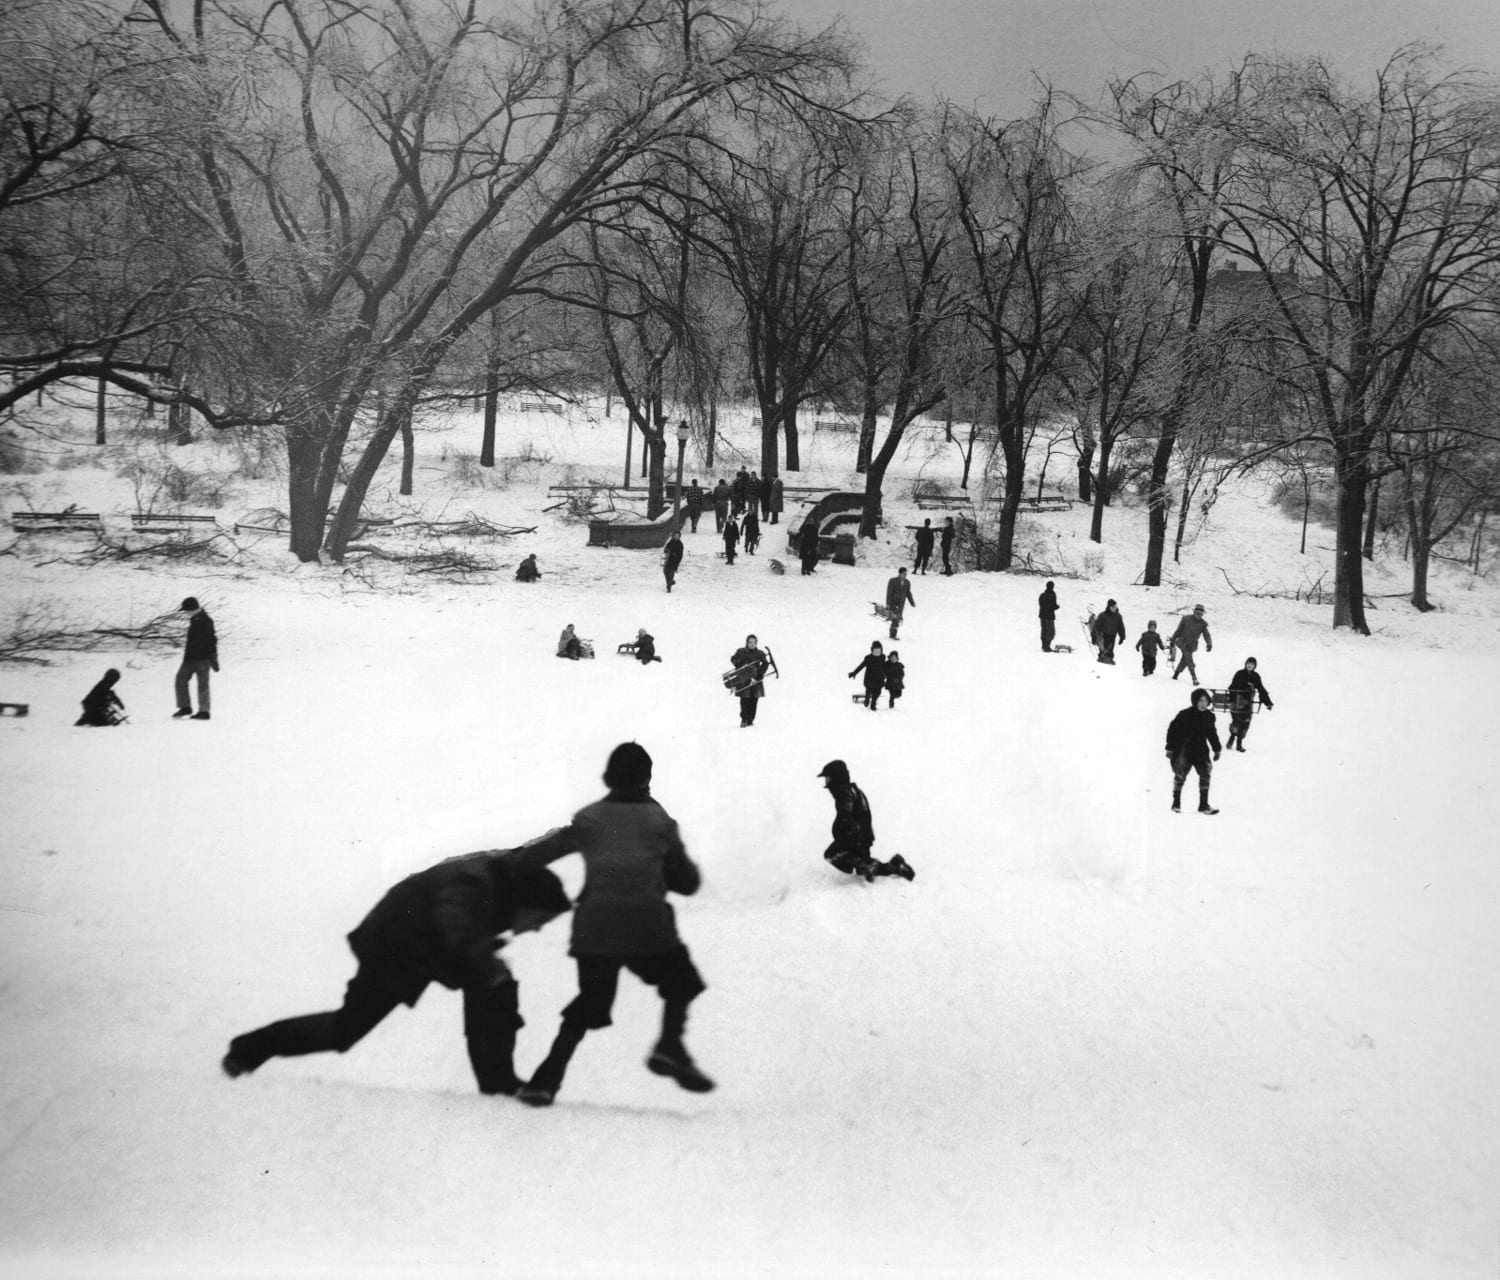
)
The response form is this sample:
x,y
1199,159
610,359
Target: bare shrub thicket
x,y
159,482
45,625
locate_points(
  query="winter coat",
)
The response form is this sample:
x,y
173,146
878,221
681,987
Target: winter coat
x,y
694,498
100,705
1192,734
721,497
1246,679
1046,605
568,644
752,491
672,556
874,667
853,828
737,489
948,533
202,643
776,488
441,925
751,683
528,572
645,648
1150,643
895,676
1189,631
925,536
633,857
731,535
752,525
898,595
1110,625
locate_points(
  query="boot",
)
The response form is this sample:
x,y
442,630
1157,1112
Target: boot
x,y
542,1088
900,867
670,1057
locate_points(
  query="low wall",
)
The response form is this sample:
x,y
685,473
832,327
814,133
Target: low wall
x,y
634,535
814,517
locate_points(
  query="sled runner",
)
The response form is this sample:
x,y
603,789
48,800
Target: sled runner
x,y
881,611
628,647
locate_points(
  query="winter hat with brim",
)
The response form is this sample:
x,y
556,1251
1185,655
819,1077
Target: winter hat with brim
x,y
188,605
836,770
629,767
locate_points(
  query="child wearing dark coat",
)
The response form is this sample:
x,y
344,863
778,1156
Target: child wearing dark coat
x,y
854,830
895,677
633,856
873,665
101,705
441,925
1148,646
1190,737
1242,690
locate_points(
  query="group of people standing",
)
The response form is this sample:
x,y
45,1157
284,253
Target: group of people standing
x,y
1192,744
747,494
926,536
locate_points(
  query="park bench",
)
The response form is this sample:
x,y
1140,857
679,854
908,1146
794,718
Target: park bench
x,y
1045,502
835,424
55,521
15,708
942,501
541,406
164,522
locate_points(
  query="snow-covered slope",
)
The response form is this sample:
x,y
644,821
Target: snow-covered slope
x,y
1093,1038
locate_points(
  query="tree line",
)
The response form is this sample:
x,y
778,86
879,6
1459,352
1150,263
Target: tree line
x,y
318,218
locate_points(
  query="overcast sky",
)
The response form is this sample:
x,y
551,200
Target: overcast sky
x,y
983,52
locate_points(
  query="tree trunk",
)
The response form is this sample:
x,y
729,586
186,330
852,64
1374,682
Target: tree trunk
x,y
1101,494
179,423
99,414
409,454
491,413
1349,574
1159,501
789,426
866,435
1086,473
1182,517
306,513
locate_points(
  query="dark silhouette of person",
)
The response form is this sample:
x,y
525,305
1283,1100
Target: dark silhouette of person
x,y
925,537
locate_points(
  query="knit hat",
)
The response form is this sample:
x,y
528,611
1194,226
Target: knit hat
x,y
1202,693
1197,608
629,768
188,605
837,770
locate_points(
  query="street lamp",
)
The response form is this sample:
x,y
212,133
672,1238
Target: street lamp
x,y
682,439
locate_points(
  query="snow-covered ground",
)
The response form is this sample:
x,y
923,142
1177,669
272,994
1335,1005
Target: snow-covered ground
x,y
1093,1038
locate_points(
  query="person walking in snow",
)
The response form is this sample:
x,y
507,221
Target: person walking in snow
x,y
895,677
751,528
1192,628
102,707
773,501
946,542
1109,630
200,655
1148,646
926,535
721,505
749,666
737,493
1190,738
444,925
1046,610
633,856
694,500
873,665
807,549
671,558
752,494
854,831
897,596
1242,691
731,537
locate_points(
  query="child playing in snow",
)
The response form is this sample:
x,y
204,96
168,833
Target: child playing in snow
x,y
1148,646
873,665
633,857
854,831
895,677
101,705
1190,736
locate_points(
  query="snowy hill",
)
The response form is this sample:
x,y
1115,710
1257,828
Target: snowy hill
x,y
1093,1038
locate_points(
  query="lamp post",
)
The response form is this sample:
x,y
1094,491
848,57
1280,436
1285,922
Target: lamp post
x,y
682,439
